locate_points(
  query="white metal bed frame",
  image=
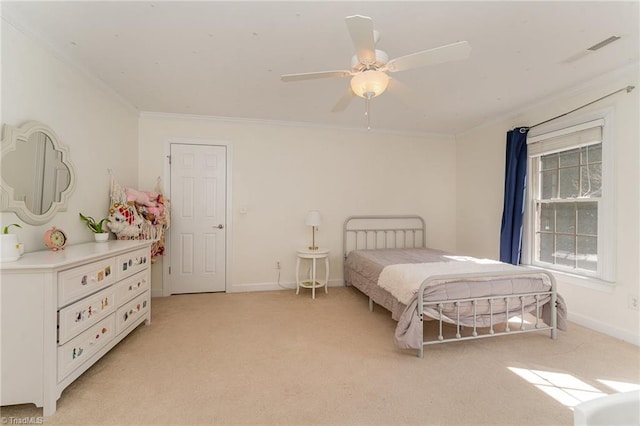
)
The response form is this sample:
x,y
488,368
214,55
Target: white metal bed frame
x,y
408,236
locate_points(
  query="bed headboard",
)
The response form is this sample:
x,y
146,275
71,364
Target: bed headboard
x,y
383,231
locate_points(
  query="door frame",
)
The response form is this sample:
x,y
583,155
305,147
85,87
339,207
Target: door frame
x,y
166,262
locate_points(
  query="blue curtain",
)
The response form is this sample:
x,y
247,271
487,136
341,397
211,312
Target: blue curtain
x,y
515,182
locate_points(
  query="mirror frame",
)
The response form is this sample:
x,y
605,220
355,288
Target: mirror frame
x,y
11,137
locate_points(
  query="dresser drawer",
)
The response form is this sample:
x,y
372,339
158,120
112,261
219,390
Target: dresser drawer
x,y
132,262
131,287
132,311
75,318
83,280
75,352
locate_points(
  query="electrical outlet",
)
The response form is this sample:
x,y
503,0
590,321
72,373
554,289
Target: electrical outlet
x,y
277,264
634,302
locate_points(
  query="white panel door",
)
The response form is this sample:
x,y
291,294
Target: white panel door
x,y
198,225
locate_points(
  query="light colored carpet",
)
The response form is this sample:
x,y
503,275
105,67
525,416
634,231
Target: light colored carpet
x,y
278,358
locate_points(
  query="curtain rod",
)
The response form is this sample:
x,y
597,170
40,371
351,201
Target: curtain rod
x,y
627,89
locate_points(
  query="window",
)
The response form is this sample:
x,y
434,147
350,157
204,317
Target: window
x,y
568,220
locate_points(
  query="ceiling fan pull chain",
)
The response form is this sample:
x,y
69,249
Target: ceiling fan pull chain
x,y
368,105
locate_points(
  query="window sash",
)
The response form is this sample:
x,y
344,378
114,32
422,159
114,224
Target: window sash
x,y
574,228
580,178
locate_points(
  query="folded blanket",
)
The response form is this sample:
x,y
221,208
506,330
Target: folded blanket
x,y
404,280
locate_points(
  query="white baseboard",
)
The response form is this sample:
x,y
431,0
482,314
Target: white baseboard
x,y
271,286
242,288
603,328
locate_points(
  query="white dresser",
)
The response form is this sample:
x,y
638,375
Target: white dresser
x,y
62,311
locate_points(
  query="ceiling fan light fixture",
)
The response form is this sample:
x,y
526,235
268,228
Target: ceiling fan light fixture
x,y
369,84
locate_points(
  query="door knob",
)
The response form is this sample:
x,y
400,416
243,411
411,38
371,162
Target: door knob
x,y
221,226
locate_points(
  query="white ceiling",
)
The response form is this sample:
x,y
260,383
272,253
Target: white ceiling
x,y
225,59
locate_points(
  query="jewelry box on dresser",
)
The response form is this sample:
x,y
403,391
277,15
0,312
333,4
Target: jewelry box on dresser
x,y
62,311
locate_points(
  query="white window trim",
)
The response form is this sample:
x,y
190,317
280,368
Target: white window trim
x,y
605,277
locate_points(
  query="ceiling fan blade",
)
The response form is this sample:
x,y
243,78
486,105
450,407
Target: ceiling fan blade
x,y
361,30
450,52
344,101
314,75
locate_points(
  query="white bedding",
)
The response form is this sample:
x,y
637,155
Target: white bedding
x,y
404,280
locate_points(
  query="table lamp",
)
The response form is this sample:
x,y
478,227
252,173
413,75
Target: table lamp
x,y
313,220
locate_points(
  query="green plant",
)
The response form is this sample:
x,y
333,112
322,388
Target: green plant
x,y
95,227
6,228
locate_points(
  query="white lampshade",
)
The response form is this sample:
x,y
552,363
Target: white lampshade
x,y
369,84
313,218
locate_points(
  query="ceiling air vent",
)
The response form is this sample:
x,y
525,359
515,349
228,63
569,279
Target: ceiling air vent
x,y
591,49
603,43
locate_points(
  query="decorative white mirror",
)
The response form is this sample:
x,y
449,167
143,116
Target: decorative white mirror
x,y
37,173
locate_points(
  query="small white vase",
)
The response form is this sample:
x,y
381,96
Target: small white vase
x,y
101,238
10,248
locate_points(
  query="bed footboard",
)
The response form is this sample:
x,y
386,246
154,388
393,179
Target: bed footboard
x,y
470,321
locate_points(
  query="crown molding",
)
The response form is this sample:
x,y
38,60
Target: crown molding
x,y
299,124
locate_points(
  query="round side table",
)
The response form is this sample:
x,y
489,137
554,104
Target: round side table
x,y
313,282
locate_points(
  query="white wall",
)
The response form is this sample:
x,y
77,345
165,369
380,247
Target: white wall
x,y
280,172
100,130
480,183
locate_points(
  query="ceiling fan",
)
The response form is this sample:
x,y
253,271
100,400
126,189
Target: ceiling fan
x,y
369,66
